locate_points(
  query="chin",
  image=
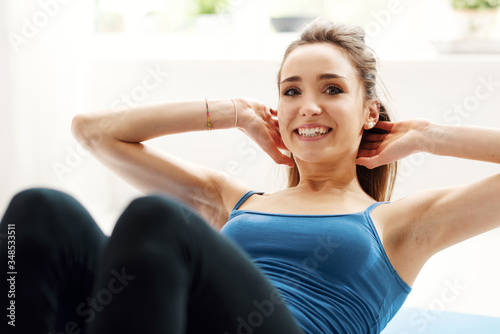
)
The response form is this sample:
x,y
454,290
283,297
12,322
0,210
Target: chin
x,y
311,157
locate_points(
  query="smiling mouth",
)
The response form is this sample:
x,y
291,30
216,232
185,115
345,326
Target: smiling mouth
x,y
312,132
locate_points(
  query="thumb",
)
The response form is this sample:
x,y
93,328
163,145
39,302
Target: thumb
x,y
369,162
283,159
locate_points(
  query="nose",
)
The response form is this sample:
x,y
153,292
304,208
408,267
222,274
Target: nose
x,y
310,108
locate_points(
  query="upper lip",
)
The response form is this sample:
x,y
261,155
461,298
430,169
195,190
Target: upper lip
x,y
313,125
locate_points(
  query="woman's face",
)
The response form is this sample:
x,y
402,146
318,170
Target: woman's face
x,y
321,110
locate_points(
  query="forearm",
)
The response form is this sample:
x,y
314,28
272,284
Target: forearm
x,y
467,142
146,122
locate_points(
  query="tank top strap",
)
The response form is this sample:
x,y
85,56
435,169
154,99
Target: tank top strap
x,y
245,197
373,206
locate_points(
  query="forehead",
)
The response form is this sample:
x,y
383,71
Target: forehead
x,y
317,58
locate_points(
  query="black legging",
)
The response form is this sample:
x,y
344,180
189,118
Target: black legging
x,y
163,270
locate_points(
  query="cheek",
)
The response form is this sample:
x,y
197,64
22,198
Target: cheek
x,y
282,126
281,107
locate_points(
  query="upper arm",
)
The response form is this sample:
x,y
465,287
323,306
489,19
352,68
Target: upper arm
x,y
444,217
420,225
151,170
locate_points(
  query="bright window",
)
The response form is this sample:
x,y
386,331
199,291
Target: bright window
x,y
393,26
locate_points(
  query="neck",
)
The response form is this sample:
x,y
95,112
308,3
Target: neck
x,y
324,177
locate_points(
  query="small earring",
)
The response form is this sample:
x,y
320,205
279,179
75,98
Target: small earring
x,y
371,125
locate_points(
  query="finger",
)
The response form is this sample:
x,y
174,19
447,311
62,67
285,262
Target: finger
x,y
273,112
366,153
283,159
383,125
368,162
279,141
370,145
274,129
374,137
281,145
371,162
377,160
269,146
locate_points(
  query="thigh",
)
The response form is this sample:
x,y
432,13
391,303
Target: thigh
x,y
53,252
183,277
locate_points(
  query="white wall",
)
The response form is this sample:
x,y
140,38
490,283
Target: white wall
x,y
6,116
43,61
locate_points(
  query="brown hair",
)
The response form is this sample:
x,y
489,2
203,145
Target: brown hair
x,y
377,182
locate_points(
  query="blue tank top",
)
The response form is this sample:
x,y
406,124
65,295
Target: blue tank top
x,y
331,270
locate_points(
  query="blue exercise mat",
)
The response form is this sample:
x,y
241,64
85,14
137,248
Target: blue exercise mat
x,y
417,321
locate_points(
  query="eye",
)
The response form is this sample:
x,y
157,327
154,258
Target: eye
x,y
333,90
291,92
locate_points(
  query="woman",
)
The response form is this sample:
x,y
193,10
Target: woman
x,y
331,256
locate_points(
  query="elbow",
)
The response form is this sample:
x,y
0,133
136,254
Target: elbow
x,y
76,126
85,133
78,129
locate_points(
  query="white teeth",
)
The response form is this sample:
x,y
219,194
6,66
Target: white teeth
x,y
312,132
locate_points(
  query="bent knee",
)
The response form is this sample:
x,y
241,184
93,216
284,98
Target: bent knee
x,y
154,214
32,205
43,211
39,197
159,209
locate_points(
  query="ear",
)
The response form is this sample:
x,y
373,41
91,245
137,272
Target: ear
x,y
372,114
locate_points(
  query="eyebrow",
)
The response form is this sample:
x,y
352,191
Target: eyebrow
x,y
324,76
330,76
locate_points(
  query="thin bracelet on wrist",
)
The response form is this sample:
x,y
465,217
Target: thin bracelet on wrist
x,y
235,113
209,125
